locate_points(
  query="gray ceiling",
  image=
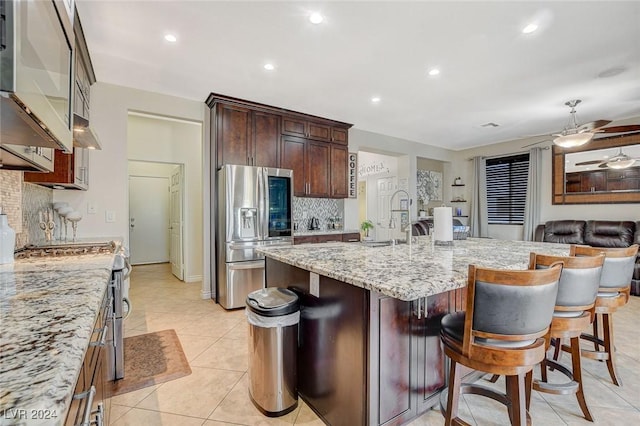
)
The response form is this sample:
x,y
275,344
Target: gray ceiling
x,y
490,70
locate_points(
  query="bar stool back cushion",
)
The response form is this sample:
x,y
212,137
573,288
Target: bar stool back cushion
x,y
512,310
578,286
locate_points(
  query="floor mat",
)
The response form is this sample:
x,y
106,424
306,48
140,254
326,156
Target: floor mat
x,y
150,359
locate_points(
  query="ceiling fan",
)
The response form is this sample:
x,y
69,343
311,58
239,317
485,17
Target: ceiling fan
x,y
574,135
618,161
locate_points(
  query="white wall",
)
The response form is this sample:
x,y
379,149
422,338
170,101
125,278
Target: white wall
x,y
108,189
143,168
169,141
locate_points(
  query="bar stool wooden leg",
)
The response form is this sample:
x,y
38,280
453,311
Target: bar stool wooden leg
x,y
576,367
455,378
516,394
607,326
596,346
528,383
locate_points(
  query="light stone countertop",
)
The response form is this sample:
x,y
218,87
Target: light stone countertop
x,y
408,274
48,306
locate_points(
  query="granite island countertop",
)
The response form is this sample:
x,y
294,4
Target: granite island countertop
x,y
48,306
408,273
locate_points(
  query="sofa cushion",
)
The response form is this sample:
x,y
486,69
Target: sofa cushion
x,y
564,231
604,233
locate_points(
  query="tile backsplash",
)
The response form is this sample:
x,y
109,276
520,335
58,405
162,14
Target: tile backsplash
x,y
321,208
22,202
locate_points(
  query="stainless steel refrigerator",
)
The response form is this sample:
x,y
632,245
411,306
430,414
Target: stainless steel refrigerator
x,y
254,209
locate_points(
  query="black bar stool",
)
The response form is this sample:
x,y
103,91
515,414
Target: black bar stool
x,y
613,293
501,332
574,312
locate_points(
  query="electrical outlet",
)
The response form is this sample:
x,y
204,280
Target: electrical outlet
x,y
91,208
314,284
109,216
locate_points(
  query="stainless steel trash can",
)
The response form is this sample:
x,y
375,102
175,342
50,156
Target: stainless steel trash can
x,y
273,315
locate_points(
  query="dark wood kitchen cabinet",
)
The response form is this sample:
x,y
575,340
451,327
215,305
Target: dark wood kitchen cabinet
x,y
366,358
316,149
70,171
92,394
339,173
296,126
246,137
309,161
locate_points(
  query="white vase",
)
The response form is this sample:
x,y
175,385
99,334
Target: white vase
x,y
7,240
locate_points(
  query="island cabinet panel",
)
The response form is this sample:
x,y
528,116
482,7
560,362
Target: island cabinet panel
x,y
365,358
392,352
332,346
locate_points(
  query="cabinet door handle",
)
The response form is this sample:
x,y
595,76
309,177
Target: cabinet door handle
x,y
90,394
419,313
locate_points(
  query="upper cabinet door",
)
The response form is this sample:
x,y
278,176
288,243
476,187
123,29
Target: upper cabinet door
x,y
318,169
339,163
294,127
319,132
292,156
340,135
266,139
233,135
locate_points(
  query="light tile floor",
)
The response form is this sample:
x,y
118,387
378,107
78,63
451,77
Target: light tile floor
x,y
215,394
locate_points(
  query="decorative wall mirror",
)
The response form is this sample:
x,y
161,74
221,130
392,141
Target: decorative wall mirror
x,y
583,175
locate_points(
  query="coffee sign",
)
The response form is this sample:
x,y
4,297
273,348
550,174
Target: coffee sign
x,y
353,177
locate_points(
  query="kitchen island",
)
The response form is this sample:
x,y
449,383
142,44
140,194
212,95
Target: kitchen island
x,y
48,307
369,350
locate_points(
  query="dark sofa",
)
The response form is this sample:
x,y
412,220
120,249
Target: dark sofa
x,y
595,233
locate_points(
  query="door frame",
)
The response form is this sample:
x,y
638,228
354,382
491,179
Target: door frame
x,y
182,202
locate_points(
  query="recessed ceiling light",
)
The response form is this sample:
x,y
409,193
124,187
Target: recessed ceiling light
x,y
269,67
170,38
605,156
434,71
316,18
530,28
376,99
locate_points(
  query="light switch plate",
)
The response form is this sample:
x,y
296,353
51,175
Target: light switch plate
x,y
109,216
314,284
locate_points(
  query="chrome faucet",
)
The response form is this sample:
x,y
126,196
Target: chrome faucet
x,y
405,226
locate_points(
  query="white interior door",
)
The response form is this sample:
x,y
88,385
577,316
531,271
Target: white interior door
x,y
176,224
149,219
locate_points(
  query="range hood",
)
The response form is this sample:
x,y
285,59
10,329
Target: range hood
x,y
83,134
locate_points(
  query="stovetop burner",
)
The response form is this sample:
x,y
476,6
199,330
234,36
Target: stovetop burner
x,y
71,249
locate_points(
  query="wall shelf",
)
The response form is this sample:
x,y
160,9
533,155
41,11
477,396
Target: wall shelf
x,y
459,216
458,184
458,201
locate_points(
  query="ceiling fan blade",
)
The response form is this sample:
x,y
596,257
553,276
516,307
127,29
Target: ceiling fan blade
x,y
593,125
588,163
620,129
536,143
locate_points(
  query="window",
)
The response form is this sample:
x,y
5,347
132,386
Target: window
x,y
507,189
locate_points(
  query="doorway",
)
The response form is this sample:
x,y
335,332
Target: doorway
x,y
156,214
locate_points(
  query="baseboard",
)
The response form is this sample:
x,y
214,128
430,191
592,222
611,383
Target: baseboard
x,y
193,279
205,294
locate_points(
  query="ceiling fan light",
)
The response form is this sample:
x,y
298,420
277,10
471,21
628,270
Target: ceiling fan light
x,y
621,163
573,140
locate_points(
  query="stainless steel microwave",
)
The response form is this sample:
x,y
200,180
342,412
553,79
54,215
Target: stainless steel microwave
x,y
36,73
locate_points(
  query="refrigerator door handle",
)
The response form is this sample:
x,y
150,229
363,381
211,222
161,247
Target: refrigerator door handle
x,y
264,203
